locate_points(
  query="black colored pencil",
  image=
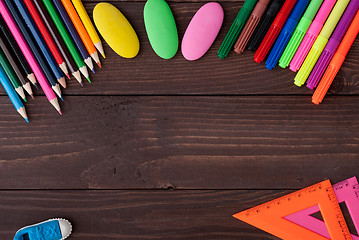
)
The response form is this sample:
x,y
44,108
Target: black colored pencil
x,y
9,40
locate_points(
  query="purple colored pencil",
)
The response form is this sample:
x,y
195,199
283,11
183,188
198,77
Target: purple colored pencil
x,y
332,44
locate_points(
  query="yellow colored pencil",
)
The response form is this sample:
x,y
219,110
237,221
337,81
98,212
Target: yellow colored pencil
x,y
88,25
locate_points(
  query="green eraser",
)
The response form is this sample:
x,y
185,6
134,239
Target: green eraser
x,y
161,28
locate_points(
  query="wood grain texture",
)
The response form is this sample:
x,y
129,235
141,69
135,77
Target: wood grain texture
x,y
109,215
179,142
148,74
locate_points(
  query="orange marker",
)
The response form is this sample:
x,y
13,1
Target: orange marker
x,y
337,61
81,30
270,216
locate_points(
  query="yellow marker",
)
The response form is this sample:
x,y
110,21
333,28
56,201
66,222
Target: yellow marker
x,y
116,30
320,42
88,25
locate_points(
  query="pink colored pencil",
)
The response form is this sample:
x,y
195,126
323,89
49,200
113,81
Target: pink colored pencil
x,y
29,56
311,34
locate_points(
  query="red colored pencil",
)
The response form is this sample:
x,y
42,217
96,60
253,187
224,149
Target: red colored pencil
x,y
46,35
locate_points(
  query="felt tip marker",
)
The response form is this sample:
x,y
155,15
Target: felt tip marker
x,y
320,43
274,30
337,61
332,44
286,33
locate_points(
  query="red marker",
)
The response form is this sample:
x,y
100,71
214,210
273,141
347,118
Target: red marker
x,y
274,30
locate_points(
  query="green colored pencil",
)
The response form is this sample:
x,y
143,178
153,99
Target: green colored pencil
x,y
11,75
66,37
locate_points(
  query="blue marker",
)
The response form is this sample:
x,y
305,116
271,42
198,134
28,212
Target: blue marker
x,y
286,33
74,35
5,82
40,41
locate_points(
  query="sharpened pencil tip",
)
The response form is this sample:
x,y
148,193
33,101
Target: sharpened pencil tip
x,y
24,99
60,112
93,70
99,64
37,87
32,96
68,76
62,98
88,79
27,120
103,55
81,84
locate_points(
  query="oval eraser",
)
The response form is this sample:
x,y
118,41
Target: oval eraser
x,y
116,30
202,31
161,28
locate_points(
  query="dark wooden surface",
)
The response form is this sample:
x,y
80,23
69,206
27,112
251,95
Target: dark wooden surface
x,y
170,149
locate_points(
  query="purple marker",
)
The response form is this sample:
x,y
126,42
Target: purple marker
x,y
332,44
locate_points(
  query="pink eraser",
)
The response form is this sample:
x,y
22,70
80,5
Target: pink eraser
x,y
202,31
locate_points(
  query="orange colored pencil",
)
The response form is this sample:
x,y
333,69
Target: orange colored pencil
x,y
81,30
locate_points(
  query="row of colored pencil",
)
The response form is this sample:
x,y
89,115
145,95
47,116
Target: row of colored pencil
x,y
43,41
312,36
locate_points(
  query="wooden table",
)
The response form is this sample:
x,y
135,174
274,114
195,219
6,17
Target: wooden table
x,y
170,149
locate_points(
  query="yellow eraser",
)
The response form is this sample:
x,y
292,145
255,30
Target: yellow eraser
x,y
116,30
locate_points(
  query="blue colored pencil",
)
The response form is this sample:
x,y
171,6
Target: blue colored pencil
x,y
23,28
5,82
41,42
75,37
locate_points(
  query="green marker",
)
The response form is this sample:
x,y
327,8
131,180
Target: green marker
x,y
236,28
299,33
11,75
66,37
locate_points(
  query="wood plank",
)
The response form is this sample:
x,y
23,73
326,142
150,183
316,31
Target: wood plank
x,y
179,142
108,215
148,74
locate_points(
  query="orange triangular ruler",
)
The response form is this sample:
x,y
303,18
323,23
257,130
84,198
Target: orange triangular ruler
x,y
270,216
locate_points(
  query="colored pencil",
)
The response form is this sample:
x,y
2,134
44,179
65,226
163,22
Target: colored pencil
x,y
88,25
337,61
40,42
59,41
9,55
11,43
29,56
23,29
46,36
66,37
12,95
11,75
81,31
75,37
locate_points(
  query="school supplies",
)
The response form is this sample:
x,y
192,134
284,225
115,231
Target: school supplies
x,y
47,37
320,43
8,54
38,55
66,38
299,33
81,31
270,216
11,75
274,30
332,44
12,94
346,191
286,33
336,61
122,38
236,28
42,45
59,42
264,24
202,31
250,26
5,34
29,56
75,37
88,25
52,229
311,34
161,28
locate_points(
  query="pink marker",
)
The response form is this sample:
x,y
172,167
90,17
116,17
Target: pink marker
x,y
346,191
311,34
29,56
